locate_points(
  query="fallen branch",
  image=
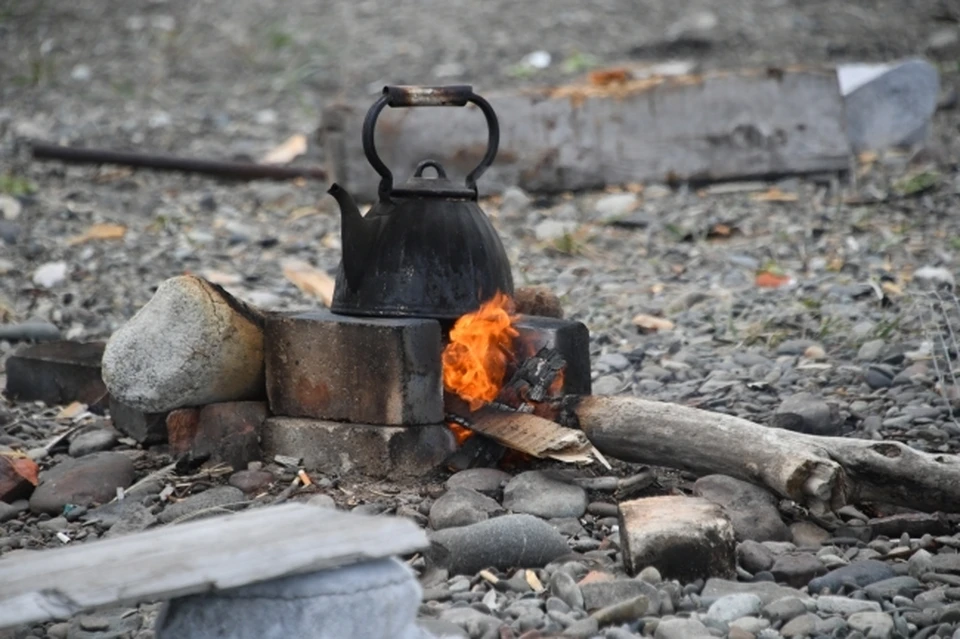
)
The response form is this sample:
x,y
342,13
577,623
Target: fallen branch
x,y
821,473
219,168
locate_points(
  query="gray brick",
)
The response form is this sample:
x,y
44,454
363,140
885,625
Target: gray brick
x,y
376,451
381,371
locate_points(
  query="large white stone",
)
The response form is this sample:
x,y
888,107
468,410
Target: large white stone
x,y
192,344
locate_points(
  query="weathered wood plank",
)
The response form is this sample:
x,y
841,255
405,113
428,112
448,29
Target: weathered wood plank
x,y
736,125
217,553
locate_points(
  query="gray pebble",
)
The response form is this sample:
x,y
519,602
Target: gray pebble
x,y
537,493
93,441
461,507
214,499
565,588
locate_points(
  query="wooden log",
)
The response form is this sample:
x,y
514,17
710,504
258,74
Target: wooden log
x,y
720,126
216,553
822,473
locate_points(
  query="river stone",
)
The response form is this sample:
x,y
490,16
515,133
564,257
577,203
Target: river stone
x,y
600,594
489,481
858,574
536,493
873,625
816,417
752,510
730,607
215,499
92,441
797,569
754,557
887,589
768,591
191,344
678,628
84,481
461,507
509,541
834,604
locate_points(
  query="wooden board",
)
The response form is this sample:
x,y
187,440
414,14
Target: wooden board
x,y
217,553
738,125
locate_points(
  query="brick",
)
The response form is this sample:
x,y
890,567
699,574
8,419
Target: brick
x,y
375,451
182,425
569,338
18,477
685,538
57,373
229,432
380,371
145,428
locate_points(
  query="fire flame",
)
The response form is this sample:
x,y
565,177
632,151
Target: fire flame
x,y
481,345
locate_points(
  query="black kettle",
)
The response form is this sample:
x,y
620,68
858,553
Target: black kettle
x,y
426,248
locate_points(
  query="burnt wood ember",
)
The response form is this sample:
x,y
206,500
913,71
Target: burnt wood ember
x,y
569,338
533,378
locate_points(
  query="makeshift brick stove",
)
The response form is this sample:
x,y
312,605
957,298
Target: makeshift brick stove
x,y
421,332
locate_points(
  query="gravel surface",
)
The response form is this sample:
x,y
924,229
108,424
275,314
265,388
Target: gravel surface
x,y
861,341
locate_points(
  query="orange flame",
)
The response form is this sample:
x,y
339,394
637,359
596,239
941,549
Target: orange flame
x,y
475,361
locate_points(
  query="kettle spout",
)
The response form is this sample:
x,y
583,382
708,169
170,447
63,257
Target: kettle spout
x,y
356,236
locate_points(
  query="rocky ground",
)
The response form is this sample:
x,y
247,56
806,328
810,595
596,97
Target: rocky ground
x,y
859,337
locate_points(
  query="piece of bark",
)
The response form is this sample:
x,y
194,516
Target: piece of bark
x,y
822,473
192,344
722,125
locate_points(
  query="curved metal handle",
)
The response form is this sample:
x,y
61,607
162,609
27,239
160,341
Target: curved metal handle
x,y
413,96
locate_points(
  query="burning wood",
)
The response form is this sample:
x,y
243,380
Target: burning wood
x,y
534,435
514,414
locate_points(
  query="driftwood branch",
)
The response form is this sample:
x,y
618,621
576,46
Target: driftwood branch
x,y
822,473
220,168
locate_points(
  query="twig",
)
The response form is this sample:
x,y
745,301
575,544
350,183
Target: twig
x,y
220,168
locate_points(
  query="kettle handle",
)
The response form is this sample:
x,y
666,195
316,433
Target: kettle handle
x,y
459,95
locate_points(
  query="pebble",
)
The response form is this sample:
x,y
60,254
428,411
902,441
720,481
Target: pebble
x,y
549,230
461,507
751,509
213,499
678,628
50,275
797,569
565,588
91,479
93,441
816,416
834,604
502,542
12,510
489,481
536,493
252,481
754,557
730,607
858,574
873,625
785,609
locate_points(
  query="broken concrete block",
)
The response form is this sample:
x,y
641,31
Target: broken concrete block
x,y
383,371
192,344
228,432
888,105
685,538
57,373
377,451
569,338
720,126
145,428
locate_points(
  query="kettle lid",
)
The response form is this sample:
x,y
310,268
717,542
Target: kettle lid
x,y
419,186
